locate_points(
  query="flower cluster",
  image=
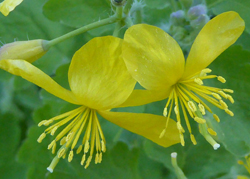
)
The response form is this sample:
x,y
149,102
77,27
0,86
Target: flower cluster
x,y
102,76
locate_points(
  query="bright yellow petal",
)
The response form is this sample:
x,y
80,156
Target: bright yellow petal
x,y
242,177
33,74
215,37
147,125
8,5
98,76
152,56
141,97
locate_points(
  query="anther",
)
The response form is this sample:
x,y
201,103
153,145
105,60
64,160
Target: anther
x,y
62,141
224,95
193,139
179,127
83,159
229,112
64,156
42,123
79,149
100,158
192,106
182,139
198,81
86,146
176,110
202,109
41,137
88,161
51,144
228,90
70,157
215,95
199,120
221,79
206,70
54,148
223,104
230,98
240,162
48,122
162,133
69,136
96,158
216,118
53,130
61,152
165,112
211,131
103,146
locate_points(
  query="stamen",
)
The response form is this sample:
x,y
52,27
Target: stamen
x,y
193,139
69,136
54,148
100,158
165,112
88,162
230,98
216,118
179,127
182,139
211,131
200,120
63,141
228,90
61,152
83,159
224,95
79,149
202,109
198,81
96,158
206,70
176,110
229,112
103,146
192,106
42,123
221,79
48,122
223,104
71,154
86,146
41,137
215,95
51,144
53,130
162,133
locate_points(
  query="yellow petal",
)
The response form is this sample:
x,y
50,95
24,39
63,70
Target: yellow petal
x,y
8,5
242,177
98,76
215,37
141,97
36,76
147,125
152,56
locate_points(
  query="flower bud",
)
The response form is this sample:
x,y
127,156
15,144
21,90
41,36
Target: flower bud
x,y
118,2
196,11
8,5
26,50
177,18
200,21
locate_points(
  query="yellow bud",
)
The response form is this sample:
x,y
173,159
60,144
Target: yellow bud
x,y
23,50
7,6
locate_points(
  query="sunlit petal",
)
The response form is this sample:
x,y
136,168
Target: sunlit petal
x,y
9,5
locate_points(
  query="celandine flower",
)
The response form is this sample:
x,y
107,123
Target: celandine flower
x,y
99,81
8,5
27,50
246,165
156,61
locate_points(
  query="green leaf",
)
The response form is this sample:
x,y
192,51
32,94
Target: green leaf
x,y
240,6
160,4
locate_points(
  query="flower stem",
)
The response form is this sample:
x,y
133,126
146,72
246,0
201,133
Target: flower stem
x,y
83,29
179,173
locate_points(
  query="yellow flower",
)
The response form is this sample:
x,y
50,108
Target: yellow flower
x,y
8,5
156,61
26,50
246,165
99,81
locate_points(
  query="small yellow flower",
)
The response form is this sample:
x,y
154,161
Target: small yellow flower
x,y
8,5
246,165
156,61
26,50
99,81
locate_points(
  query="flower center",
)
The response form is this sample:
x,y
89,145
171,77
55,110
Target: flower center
x,y
75,122
187,94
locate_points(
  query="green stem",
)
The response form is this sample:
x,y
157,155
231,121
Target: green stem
x,y
83,29
129,22
138,16
128,6
179,173
117,29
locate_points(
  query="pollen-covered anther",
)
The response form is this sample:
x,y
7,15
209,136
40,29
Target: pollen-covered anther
x,y
193,139
100,158
103,146
64,156
48,122
206,70
211,131
88,161
42,123
198,81
53,130
200,120
69,136
83,159
221,79
215,95
229,112
51,144
41,137
228,90
202,109
223,104
230,98
61,152
79,149
179,127
216,118
165,112
182,139
224,95
70,157
63,141
192,106
176,110
96,158
86,146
